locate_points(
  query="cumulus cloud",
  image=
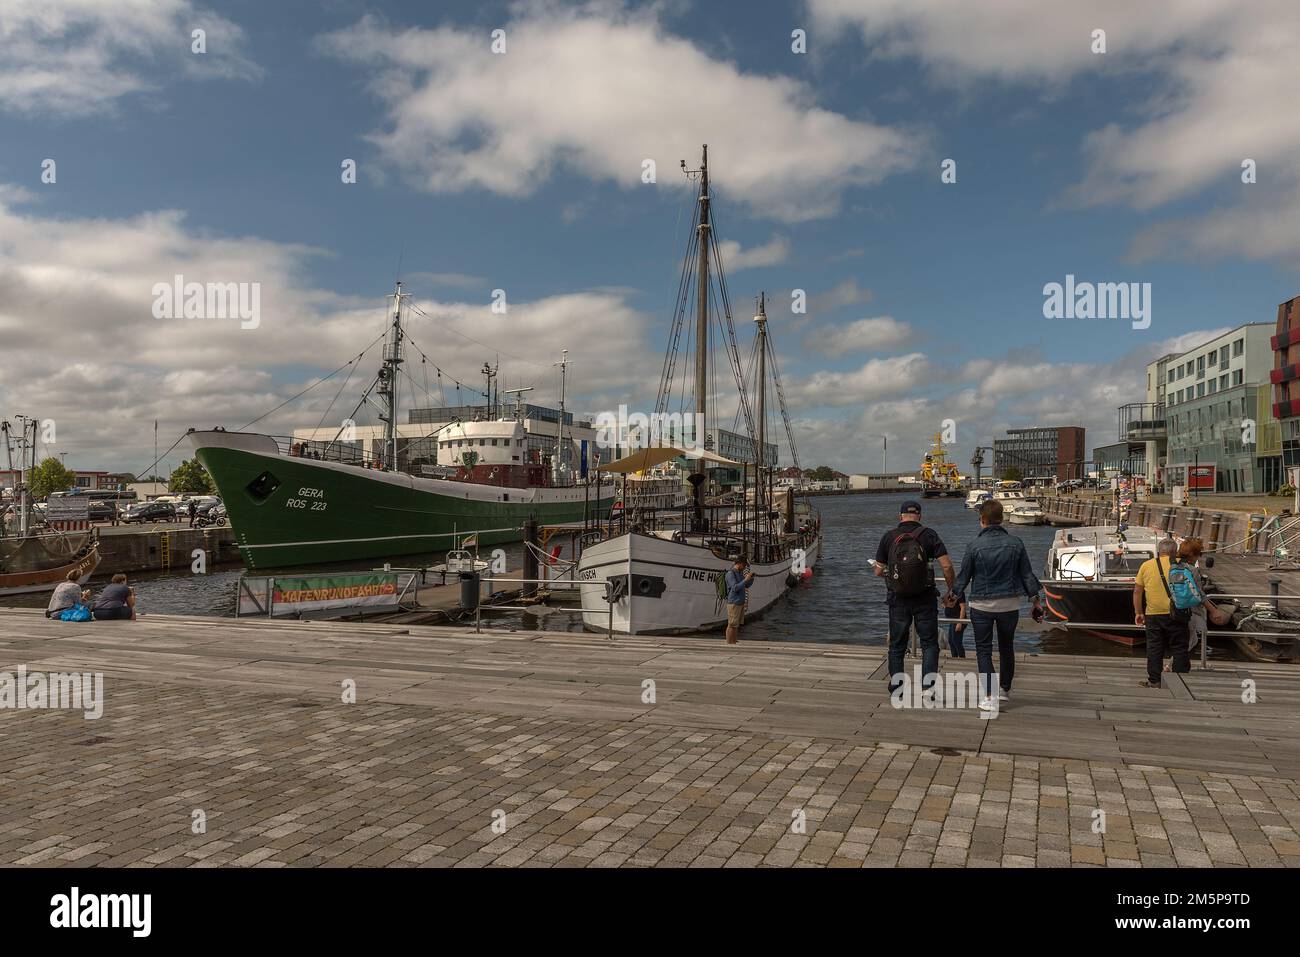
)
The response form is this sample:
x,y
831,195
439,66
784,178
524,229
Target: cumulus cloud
x,y
863,335
1216,77
77,57
599,89
734,258
77,318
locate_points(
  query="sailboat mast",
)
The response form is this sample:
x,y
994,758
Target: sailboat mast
x,y
388,391
759,485
702,308
559,432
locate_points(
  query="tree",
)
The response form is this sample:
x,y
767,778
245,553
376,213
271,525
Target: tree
x,y
823,473
191,478
49,476
1012,474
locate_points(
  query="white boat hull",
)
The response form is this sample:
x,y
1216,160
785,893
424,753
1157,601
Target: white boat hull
x,y
671,585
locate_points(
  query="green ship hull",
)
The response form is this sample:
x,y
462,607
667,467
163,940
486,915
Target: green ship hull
x,y
289,511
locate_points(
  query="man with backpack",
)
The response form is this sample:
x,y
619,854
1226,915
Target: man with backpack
x,y
1167,624
905,560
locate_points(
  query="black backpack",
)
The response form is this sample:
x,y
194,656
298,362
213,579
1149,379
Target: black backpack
x,y
909,573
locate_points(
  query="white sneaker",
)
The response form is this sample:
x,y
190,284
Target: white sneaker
x,y
989,704
1004,695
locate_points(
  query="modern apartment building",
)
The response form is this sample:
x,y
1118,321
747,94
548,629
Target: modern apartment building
x,y
1221,431
1285,379
1044,454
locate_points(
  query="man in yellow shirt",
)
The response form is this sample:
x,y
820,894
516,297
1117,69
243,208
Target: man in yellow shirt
x,y
1153,608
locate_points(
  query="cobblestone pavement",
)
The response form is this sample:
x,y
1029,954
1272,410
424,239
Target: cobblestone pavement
x,y
404,785
282,778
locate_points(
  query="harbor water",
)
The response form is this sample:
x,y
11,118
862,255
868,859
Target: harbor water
x,y
845,602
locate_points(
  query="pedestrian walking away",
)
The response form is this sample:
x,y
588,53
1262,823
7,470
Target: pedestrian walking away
x,y
1167,627
905,558
997,571
737,581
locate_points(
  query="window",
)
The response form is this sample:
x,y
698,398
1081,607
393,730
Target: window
x,y
1180,372
1200,389
1223,356
1237,377
1180,395
1200,367
494,441
1213,357
1214,386
1171,375
1223,380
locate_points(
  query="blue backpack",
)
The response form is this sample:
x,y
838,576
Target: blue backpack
x,y
77,612
1184,591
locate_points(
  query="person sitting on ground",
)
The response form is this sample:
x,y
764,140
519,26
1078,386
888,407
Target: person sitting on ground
x,y
116,602
66,594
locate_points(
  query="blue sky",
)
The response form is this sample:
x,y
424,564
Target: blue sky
x,y
518,171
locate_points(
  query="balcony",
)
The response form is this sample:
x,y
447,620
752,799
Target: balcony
x,y
1146,430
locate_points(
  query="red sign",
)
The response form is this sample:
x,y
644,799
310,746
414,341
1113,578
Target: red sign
x,y
1200,476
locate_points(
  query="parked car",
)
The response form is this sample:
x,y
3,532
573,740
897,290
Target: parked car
x,y
150,512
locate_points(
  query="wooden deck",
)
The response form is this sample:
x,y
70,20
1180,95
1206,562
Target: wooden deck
x,y
1064,706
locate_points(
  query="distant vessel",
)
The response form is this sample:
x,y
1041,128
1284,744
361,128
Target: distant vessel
x,y
31,561
939,477
289,505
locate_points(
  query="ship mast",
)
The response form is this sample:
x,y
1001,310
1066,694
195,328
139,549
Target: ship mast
x,y
761,321
393,356
557,470
702,308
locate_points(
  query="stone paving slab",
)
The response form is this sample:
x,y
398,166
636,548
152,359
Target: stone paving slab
x,y
768,754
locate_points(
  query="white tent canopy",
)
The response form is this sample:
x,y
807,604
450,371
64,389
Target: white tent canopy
x,y
648,458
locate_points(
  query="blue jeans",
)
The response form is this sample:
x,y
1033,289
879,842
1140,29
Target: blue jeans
x,y
984,622
924,613
956,640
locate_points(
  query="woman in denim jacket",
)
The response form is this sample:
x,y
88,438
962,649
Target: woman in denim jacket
x,y
996,567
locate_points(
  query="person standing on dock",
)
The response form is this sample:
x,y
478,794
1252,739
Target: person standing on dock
x,y
905,559
997,570
1167,627
193,510
738,581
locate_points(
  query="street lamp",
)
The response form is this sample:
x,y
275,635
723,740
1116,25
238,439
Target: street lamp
x,y
884,452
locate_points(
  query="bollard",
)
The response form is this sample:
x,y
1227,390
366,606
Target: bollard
x,y
1216,531
530,558
469,589
1253,527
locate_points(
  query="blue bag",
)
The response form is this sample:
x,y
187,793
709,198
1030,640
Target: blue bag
x,y
1183,588
77,612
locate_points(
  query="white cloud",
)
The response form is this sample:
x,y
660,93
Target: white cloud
x,y
77,57
1215,81
734,258
862,335
599,90
876,379
76,318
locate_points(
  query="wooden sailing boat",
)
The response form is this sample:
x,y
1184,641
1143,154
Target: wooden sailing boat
x,y
664,566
